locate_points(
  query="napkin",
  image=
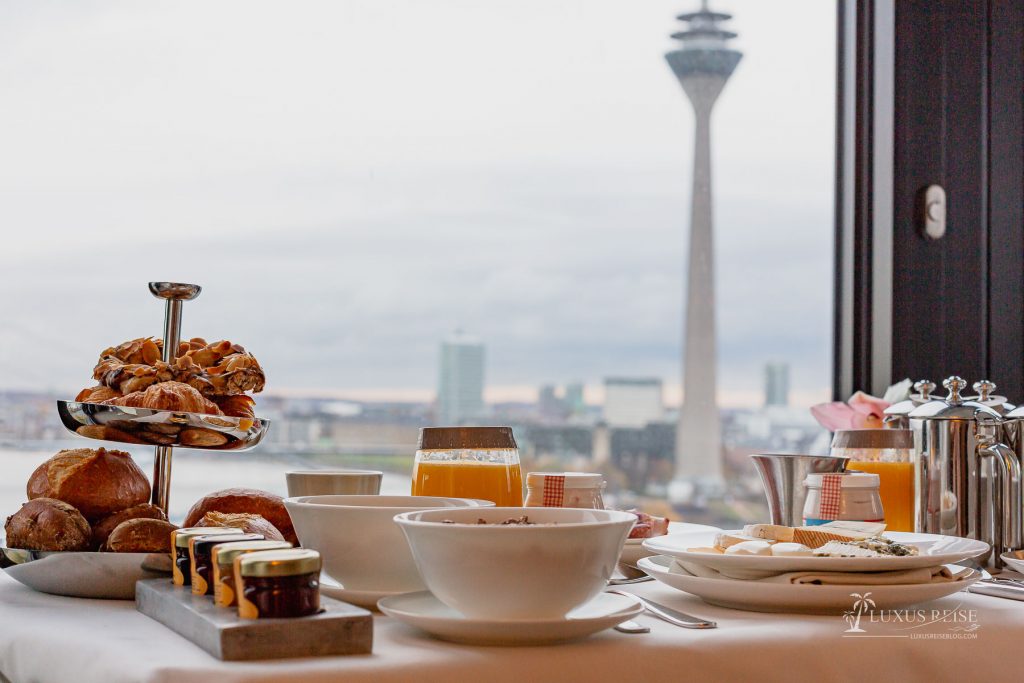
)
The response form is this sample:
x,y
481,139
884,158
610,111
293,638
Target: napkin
x,y
939,574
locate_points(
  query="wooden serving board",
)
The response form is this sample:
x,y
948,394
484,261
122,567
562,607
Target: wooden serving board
x,y
340,629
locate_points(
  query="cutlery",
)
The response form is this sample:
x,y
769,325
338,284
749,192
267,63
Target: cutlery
x,y
631,626
625,582
998,589
670,615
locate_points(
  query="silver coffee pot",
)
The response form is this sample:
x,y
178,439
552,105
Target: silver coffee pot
x,y
968,482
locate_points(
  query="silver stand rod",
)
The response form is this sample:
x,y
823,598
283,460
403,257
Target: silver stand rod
x,y
174,294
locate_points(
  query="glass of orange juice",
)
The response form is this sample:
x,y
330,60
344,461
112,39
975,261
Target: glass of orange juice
x,y
469,462
889,453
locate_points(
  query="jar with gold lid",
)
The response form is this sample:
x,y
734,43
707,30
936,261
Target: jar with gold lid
x,y
181,565
278,584
223,563
200,549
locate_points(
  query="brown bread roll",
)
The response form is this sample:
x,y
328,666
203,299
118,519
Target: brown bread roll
x,y
47,524
97,482
250,524
141,536
101,529
252,501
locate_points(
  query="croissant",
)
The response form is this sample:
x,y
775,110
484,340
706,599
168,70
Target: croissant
x,y
239,405
168,396
97,394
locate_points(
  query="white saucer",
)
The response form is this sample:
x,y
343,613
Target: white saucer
x,y
366,599
426,612
1014,560
759,596
634,549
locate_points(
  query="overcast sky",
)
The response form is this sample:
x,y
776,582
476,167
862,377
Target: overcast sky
x,y
350,181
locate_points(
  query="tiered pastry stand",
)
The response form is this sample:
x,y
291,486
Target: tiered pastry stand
x,y
113,575
164,429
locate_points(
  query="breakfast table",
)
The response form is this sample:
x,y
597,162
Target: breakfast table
x,y
47,638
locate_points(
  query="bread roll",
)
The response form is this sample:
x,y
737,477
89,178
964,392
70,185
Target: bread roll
x,y
250,524
252,501
97,482
47,524
101,529
141,536
168,396
97,394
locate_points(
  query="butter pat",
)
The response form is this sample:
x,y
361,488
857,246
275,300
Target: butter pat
x,y
791,550
750,548
769,532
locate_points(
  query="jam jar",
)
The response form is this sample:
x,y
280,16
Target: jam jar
x,y
223,563
199,554
278,583
181,565
845,496
564,490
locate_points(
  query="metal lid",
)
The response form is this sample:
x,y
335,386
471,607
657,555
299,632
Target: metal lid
x,y
924,390
202,544
873,438
225,553
953,407
573,480
453,438
848,480
279,562
181,536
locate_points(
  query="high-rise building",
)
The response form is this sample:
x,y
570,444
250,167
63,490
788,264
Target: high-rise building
x,y
574,398
702,64
776,384
632,402
460,391
550,406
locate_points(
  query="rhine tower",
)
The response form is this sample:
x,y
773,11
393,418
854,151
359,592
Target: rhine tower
x,y
703,64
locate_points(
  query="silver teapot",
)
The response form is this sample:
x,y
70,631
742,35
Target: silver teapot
x,y
968,481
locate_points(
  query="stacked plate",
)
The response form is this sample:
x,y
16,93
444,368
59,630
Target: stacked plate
x,y
813,584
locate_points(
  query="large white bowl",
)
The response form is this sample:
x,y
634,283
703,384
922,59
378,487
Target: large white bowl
x,y
494,571
357,538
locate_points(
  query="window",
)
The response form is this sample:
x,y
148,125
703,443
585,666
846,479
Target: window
x,y
382,199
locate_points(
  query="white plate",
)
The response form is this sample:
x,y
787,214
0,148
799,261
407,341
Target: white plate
x,y
634,549
755,596
426,612
1014,560
365,599
934,550
110,576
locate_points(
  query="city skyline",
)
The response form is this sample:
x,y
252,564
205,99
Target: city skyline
x,y
328,233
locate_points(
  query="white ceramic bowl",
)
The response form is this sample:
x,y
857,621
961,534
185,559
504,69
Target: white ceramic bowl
x,y
494,571
357,538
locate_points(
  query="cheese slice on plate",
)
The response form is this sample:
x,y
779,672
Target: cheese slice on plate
x,y
817,536
769,532
724,539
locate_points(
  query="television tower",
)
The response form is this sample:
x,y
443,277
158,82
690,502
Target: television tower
x,y
702,64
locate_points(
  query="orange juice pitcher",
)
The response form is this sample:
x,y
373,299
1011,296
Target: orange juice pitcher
x,y
469,462
889,454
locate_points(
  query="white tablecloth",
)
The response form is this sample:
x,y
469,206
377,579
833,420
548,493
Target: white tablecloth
x,y
48,638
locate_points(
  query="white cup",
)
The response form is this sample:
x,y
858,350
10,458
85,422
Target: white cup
x,y
334,483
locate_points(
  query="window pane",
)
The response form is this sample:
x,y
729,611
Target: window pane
x,y
422,212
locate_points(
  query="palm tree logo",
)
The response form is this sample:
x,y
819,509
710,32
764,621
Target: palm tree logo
x,y
861,604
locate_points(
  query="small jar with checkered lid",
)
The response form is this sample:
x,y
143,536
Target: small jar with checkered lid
x,y
842,496
565,490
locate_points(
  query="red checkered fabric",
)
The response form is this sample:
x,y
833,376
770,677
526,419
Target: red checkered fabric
x,y
554,490
831,493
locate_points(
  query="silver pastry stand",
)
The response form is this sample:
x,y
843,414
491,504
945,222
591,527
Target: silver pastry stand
x,y
174,295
